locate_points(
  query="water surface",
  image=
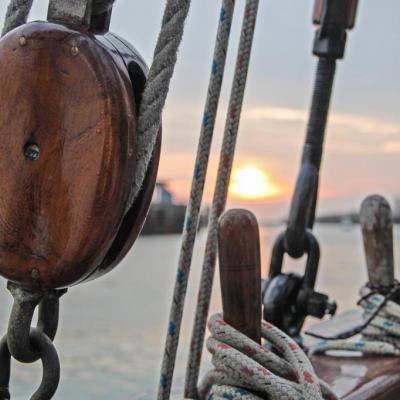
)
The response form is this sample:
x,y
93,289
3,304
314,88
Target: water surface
x,y
112,330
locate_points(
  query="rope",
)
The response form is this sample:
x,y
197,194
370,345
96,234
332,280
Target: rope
x,y
380,333
17,14
220,194
196,195
243,367
157,86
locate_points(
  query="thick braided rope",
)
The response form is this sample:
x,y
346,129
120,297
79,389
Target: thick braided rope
x,y
157,86
380,337
220,193
242,366
17,14
196,195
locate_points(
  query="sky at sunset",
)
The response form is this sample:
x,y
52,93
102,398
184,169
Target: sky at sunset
x,y
362,153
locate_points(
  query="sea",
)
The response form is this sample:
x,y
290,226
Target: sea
x,y
112,331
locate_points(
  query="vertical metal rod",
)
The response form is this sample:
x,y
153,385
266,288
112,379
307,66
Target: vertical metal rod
x,y
240,271
377,230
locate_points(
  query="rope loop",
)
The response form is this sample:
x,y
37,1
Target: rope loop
x,y
246,370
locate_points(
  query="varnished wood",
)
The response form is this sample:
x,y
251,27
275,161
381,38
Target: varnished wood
x,y
357,377
240,271
135,217
133,221
361,378
377,229
60,214
352,376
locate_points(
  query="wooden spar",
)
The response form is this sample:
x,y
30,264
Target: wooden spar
x,y
368,378
377,229
240,271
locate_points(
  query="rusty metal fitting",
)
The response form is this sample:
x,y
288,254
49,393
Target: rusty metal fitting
x,y
333,17
346,19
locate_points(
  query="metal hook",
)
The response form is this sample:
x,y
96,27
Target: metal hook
x,y
27,344
5,369
25,303
50,361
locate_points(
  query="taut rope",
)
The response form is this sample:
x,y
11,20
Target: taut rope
x,y
157,86
221,192
196,195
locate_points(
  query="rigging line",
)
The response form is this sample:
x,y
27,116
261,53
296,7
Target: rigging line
x,y
157,87
196,195
220,194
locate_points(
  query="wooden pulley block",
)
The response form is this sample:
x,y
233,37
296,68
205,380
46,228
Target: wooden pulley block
x,y
68,151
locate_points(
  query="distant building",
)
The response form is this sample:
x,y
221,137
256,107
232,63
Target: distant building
x,y
165,216
396,209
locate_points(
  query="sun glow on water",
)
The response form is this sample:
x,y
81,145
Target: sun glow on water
x,y
252,183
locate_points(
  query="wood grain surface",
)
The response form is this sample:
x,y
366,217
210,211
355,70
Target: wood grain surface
x,y
240,271
69,97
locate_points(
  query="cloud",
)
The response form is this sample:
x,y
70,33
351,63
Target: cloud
x,y
356,123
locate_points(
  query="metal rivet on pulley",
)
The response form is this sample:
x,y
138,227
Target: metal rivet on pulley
x,y
23,41
32,151
74,50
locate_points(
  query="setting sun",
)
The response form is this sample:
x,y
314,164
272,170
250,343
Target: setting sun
x,y
252,183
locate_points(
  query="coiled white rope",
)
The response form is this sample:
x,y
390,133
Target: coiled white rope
x,y
381,334
243,367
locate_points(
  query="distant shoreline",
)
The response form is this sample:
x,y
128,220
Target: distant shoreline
x,y
337,219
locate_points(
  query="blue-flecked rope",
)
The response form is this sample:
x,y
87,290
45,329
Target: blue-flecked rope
x,y
196,195
220,195
381,336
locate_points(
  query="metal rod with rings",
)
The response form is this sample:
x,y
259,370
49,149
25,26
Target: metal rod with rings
x,y
334,17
